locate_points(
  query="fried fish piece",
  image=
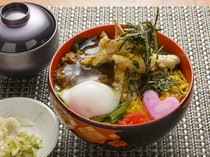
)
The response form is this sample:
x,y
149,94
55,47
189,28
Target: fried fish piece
x,y
163,61
118,29
125,58
108,48
124,65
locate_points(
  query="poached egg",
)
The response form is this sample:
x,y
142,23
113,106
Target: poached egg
x,y
91,98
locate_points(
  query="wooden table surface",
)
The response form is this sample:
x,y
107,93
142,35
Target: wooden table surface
x,y
115,2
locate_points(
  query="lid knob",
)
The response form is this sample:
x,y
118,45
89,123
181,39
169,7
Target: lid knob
x,y
15,14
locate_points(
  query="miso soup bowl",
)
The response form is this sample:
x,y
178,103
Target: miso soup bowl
x,y
28,39
118,137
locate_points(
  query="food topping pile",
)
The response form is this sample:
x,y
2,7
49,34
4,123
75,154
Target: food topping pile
x,y
123,80
14,143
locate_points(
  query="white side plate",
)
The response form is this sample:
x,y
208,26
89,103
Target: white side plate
x,y
46,125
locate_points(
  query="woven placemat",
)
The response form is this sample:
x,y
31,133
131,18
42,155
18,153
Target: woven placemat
x,y
188,26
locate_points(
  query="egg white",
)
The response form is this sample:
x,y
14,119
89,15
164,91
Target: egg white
x,y
91,98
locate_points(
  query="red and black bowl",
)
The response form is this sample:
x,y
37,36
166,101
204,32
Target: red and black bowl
x,y
112,136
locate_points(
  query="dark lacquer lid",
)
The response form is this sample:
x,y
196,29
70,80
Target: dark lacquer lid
x,y
24,26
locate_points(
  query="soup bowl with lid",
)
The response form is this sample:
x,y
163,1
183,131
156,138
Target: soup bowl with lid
x,y
114,136
28,39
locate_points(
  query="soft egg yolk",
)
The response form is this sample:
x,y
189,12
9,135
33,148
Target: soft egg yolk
x,y
91,98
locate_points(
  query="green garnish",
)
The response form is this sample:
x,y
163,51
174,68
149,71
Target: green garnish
x,y
21,145
115,115
160,81
143,37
